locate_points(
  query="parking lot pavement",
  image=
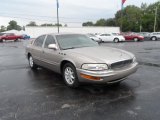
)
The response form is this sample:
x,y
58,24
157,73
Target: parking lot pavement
x,y
42,95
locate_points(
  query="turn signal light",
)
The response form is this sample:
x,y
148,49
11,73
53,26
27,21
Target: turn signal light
x,y
91,77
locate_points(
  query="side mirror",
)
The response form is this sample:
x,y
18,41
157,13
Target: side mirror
x,y
53,46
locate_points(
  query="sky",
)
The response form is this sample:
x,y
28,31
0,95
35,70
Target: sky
x,y
72,12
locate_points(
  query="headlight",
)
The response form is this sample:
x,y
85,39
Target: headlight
x,y
134,59
95,67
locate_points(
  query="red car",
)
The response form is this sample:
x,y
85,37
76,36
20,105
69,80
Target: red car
x,y
10,36
133,37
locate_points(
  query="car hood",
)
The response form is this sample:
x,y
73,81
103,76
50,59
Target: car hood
x,y
101,54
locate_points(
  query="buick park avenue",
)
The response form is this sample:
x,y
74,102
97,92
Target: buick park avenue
x,y
80,60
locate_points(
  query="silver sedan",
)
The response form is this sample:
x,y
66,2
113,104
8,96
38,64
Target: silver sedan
x,y
79,59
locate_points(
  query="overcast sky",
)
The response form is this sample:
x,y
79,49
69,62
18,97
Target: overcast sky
x,y
72,12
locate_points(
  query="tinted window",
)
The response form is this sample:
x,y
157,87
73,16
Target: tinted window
x,y
39,41
50,40
105,35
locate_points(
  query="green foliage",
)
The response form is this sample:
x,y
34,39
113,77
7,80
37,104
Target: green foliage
x,y
88,24
13,25
32,23
132,18
2,28
101,22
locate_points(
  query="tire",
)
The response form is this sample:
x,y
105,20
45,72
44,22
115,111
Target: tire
x,y
32,65
70,75
2,40
154,38
16,40
136,39
116,40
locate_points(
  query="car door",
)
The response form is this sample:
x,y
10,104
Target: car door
x,y
128,37
104,37
7,37
37,50
51,58
109,37
10,36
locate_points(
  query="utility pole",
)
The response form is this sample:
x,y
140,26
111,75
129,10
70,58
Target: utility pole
x,y
140,28
122,20
58,15
155,20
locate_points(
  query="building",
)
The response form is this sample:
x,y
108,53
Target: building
x,y
36,31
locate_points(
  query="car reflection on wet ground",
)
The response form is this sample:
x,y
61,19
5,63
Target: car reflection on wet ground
x,y
42,95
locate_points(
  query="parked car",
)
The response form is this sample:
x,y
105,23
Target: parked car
x,y
133,37
154,36
114,37
25,37
144,34
80,59
94,38
10,36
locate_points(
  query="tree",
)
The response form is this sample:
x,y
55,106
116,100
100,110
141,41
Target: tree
x,y
32,23
47,24
13,25
89,23
65,25
110,22
131,19
3,28
101,22
60,25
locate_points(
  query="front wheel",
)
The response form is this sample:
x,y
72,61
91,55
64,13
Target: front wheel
x,y
116,40
70,75
31,63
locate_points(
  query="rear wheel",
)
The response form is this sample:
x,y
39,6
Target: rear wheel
x,y
116,40
136,39
31,63
154,38
16,40
70,75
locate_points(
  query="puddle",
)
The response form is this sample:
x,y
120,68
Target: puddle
x,y
149,64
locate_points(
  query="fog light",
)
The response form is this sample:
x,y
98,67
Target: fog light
x,y
91,77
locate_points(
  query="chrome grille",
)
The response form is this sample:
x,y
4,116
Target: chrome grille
x,y
121,64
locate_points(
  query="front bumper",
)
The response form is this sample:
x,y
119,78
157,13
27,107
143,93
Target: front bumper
x,y
109,76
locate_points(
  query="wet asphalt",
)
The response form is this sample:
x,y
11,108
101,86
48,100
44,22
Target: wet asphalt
x,y
42,94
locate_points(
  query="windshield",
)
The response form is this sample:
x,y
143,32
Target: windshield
x,y
74,41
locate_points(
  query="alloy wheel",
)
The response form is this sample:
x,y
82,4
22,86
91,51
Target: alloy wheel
x,y
69,75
